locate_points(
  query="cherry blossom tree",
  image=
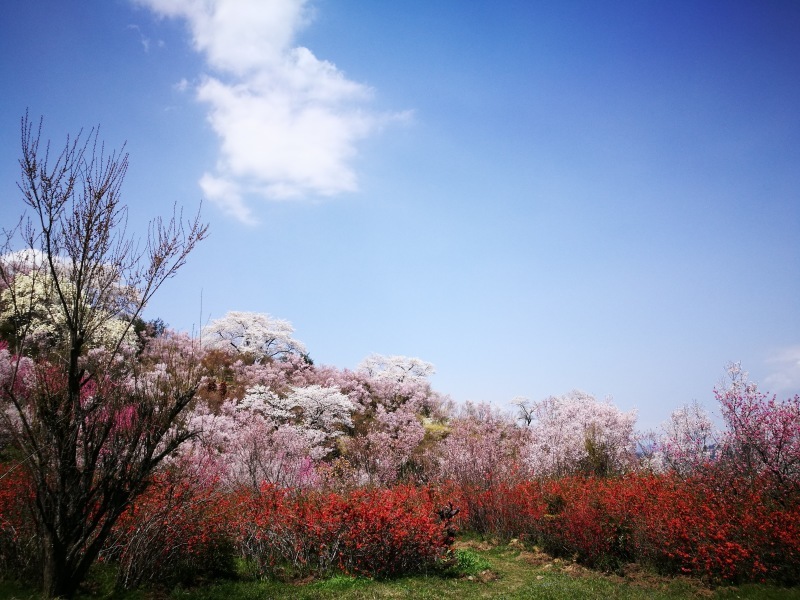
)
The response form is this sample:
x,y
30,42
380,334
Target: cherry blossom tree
x,y
322,409
483,447
395,400
577,433
240,445
397,369
268,437
385,451
88,431
318,411
395,381
258,336
763,433
379,410
688,441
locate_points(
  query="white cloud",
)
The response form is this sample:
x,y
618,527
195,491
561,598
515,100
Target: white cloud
x,y
227,195
784,377
288,122
181,86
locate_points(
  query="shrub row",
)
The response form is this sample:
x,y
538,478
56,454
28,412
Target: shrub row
x,y
180,529
376,532
715,526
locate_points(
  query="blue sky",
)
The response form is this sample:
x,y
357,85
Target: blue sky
x,y
533,196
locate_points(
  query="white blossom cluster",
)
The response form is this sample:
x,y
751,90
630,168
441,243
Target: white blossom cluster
x,y
31,301
257,334
564,428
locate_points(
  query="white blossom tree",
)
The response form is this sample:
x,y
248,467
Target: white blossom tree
x,y
397,369
319,411
398,381
30,296
688,440
258,335
577,433
322,409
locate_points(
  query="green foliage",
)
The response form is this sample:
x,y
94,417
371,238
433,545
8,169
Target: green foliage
x,y
469,562
598,460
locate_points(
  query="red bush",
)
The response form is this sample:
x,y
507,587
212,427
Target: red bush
x,y
721,528
715,526
378,532
179,529
19,550
393,531
502,510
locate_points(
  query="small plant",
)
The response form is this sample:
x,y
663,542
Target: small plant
x,y
468,562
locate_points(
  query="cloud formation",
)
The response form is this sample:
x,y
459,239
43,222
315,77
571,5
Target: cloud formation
x,y
288,122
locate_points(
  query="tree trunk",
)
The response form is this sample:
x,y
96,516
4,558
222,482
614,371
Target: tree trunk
x,y
58,580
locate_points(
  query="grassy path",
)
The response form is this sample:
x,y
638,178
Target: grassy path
x,y
512,574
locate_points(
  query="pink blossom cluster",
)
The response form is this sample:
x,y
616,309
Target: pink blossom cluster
x,y
763,433
483,447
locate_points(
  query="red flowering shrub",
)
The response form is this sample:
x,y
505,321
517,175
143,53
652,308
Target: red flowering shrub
x,y
714,526
722,528
277,530
178,530
376,532
590,518
503,510
393,531
19,550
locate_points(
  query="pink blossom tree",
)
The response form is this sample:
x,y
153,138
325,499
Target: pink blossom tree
x,y
242,446
483,447
269,437
384,453
763,433
395,400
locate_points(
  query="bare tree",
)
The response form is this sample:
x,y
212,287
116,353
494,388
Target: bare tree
x,y
89,423
526,412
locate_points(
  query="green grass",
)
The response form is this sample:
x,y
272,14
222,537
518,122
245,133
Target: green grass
x,y
480,571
